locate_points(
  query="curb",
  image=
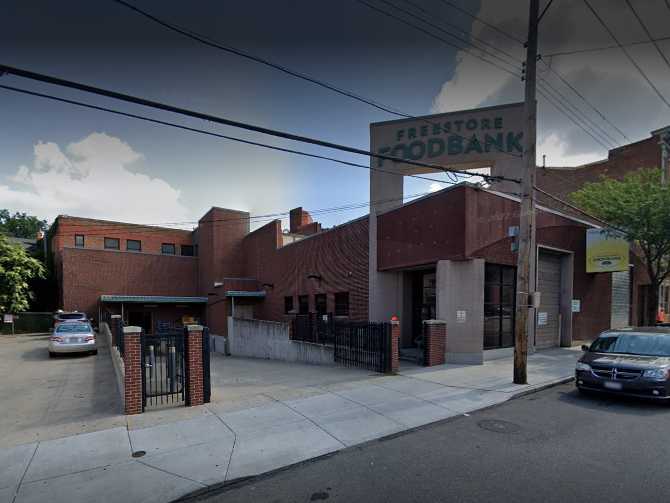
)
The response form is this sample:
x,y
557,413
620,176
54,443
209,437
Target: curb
x,y
221,487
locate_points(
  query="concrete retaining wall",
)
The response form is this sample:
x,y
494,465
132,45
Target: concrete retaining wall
x,y
270,340
117,361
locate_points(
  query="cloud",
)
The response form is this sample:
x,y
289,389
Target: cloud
x,y
435,186
91,178
607,79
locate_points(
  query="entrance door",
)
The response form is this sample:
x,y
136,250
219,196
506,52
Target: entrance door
x,y
548,325
499,306
423,302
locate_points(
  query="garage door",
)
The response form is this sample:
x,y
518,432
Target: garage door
x,y
549,285
620,299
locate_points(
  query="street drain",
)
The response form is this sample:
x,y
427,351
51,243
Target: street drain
x,y
139,454
499,426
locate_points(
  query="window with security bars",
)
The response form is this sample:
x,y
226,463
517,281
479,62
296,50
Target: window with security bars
x,y
321,303
499,306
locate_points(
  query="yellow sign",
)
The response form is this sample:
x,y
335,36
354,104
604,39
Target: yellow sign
x,y
606,251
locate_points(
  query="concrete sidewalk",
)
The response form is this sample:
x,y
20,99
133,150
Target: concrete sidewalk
x,y
222,442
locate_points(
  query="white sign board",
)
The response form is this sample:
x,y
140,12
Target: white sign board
x,y
471,137
461,316
576,305
8,318
542,318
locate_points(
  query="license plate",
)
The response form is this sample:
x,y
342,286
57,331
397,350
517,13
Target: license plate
x,y
613,385
74,340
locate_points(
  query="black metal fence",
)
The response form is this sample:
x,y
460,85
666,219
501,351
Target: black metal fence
x,y
206,380
163,378
314,328
363,345
117,336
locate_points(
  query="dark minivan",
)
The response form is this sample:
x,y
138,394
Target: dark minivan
x,y
631,361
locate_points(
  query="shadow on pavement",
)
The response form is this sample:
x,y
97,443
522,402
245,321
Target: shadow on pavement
x,y
614,403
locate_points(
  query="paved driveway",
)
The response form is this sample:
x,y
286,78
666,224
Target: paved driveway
x,y
43,398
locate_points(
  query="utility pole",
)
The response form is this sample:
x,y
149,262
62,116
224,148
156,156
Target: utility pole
x,y
526,258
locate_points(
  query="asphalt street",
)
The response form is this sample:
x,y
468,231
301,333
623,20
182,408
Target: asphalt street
x,y
555,445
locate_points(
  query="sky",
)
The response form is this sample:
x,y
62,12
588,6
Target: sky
x,y
60,159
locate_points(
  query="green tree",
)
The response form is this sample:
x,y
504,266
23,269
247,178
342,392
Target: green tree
x,y
640,205
17,269
20,225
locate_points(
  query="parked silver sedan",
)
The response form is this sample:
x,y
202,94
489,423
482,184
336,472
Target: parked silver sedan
x,y
72,337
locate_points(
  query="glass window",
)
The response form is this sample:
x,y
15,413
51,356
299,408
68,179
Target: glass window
x,y
321,303
303,304
168,249
79,240
499,305
288,304
342,304
187,250
133,245
112,243
633,344
73,328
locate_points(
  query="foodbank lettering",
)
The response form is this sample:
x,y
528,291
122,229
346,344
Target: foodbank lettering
x,y
452,138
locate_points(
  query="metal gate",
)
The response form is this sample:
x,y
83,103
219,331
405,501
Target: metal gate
x,y
363,345
313,327
163,379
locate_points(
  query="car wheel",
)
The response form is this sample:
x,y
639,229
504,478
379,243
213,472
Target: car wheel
x,y
94,352
52,354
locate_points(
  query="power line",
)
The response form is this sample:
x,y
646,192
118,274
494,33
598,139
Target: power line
x,y
544,11
561,99
460,39
437,37
238,52
576,208
485,23
198,37
111,227
576,91
630,58
582,116
557,107
210,133
227,122
644,27
605,48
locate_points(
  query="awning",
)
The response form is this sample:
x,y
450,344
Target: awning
x,y
243,293
153,299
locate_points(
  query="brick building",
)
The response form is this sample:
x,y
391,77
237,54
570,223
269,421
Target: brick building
x,y
445,256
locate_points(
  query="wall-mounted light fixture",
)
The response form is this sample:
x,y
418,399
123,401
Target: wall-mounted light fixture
x,y
268,285
317,277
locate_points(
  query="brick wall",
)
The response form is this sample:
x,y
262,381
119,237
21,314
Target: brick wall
x,y
132,377
194,375
338,256
87,274
435,342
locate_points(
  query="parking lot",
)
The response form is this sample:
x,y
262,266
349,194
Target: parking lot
x,y
45,398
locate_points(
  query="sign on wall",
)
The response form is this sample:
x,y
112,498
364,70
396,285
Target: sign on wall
x,y
606,251
475,137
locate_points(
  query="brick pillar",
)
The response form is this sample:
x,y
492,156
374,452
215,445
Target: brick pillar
x,y
115,322
435,342
395,344
132,364
194,374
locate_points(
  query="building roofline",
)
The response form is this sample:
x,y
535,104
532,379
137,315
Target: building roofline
x,y
115,222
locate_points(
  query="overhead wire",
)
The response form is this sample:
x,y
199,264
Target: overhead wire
x,y
199,37
627,54
604,48
560,99
228,122
646,30
211,133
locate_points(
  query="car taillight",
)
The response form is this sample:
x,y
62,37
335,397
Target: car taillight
x,y
56,339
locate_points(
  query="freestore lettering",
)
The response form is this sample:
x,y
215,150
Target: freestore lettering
x,y
461,137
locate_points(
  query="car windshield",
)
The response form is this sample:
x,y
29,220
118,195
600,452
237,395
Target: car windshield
x,y
634,344
73,328
71,316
